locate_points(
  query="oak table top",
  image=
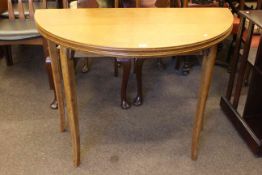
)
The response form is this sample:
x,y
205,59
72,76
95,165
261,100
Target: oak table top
x,y
130,33
135,32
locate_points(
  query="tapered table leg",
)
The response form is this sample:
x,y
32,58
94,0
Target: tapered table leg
x,y
71,102
56,71
208,65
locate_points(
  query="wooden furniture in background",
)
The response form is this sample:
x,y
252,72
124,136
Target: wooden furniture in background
x,y
126,63
248,124
3,6
138,63
19,29
235,10
184,63
87,35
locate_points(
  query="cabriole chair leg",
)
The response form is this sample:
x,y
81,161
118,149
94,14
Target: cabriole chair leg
x,y
139,98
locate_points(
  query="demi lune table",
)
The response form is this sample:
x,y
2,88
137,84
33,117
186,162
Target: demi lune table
x,y
130,33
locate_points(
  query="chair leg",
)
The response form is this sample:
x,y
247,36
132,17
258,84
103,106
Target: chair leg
x,y
115,67
8,55
185,67
126,72
221,62
85,67
54,104
1,52
178,63
134,67
161,65
139,98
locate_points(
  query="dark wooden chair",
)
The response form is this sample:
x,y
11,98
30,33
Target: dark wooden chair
x,y
235,7
3,8
138,63
73,4
19,29
185,63
125,63
245,113
255,40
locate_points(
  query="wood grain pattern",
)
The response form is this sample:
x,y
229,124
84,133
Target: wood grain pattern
x,y
188,30
234,61
208,65
116,3
31,9
56,69
3,6
71,102
138,3
21,10
11,14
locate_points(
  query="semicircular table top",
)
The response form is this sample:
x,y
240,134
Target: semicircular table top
x,y
135,31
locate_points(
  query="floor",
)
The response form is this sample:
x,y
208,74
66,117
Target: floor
x,y
152,139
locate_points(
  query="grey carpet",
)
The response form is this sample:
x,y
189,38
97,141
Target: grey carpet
x,y
152,139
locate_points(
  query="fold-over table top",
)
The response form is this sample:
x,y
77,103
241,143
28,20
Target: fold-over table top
x,y
139,32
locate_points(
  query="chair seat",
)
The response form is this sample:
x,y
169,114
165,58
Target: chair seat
x,y
37,5
17,29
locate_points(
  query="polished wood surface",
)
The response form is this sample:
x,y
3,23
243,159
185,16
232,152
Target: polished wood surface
x,y
57,76
207,70
3,5
71,102
133,33
147,30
